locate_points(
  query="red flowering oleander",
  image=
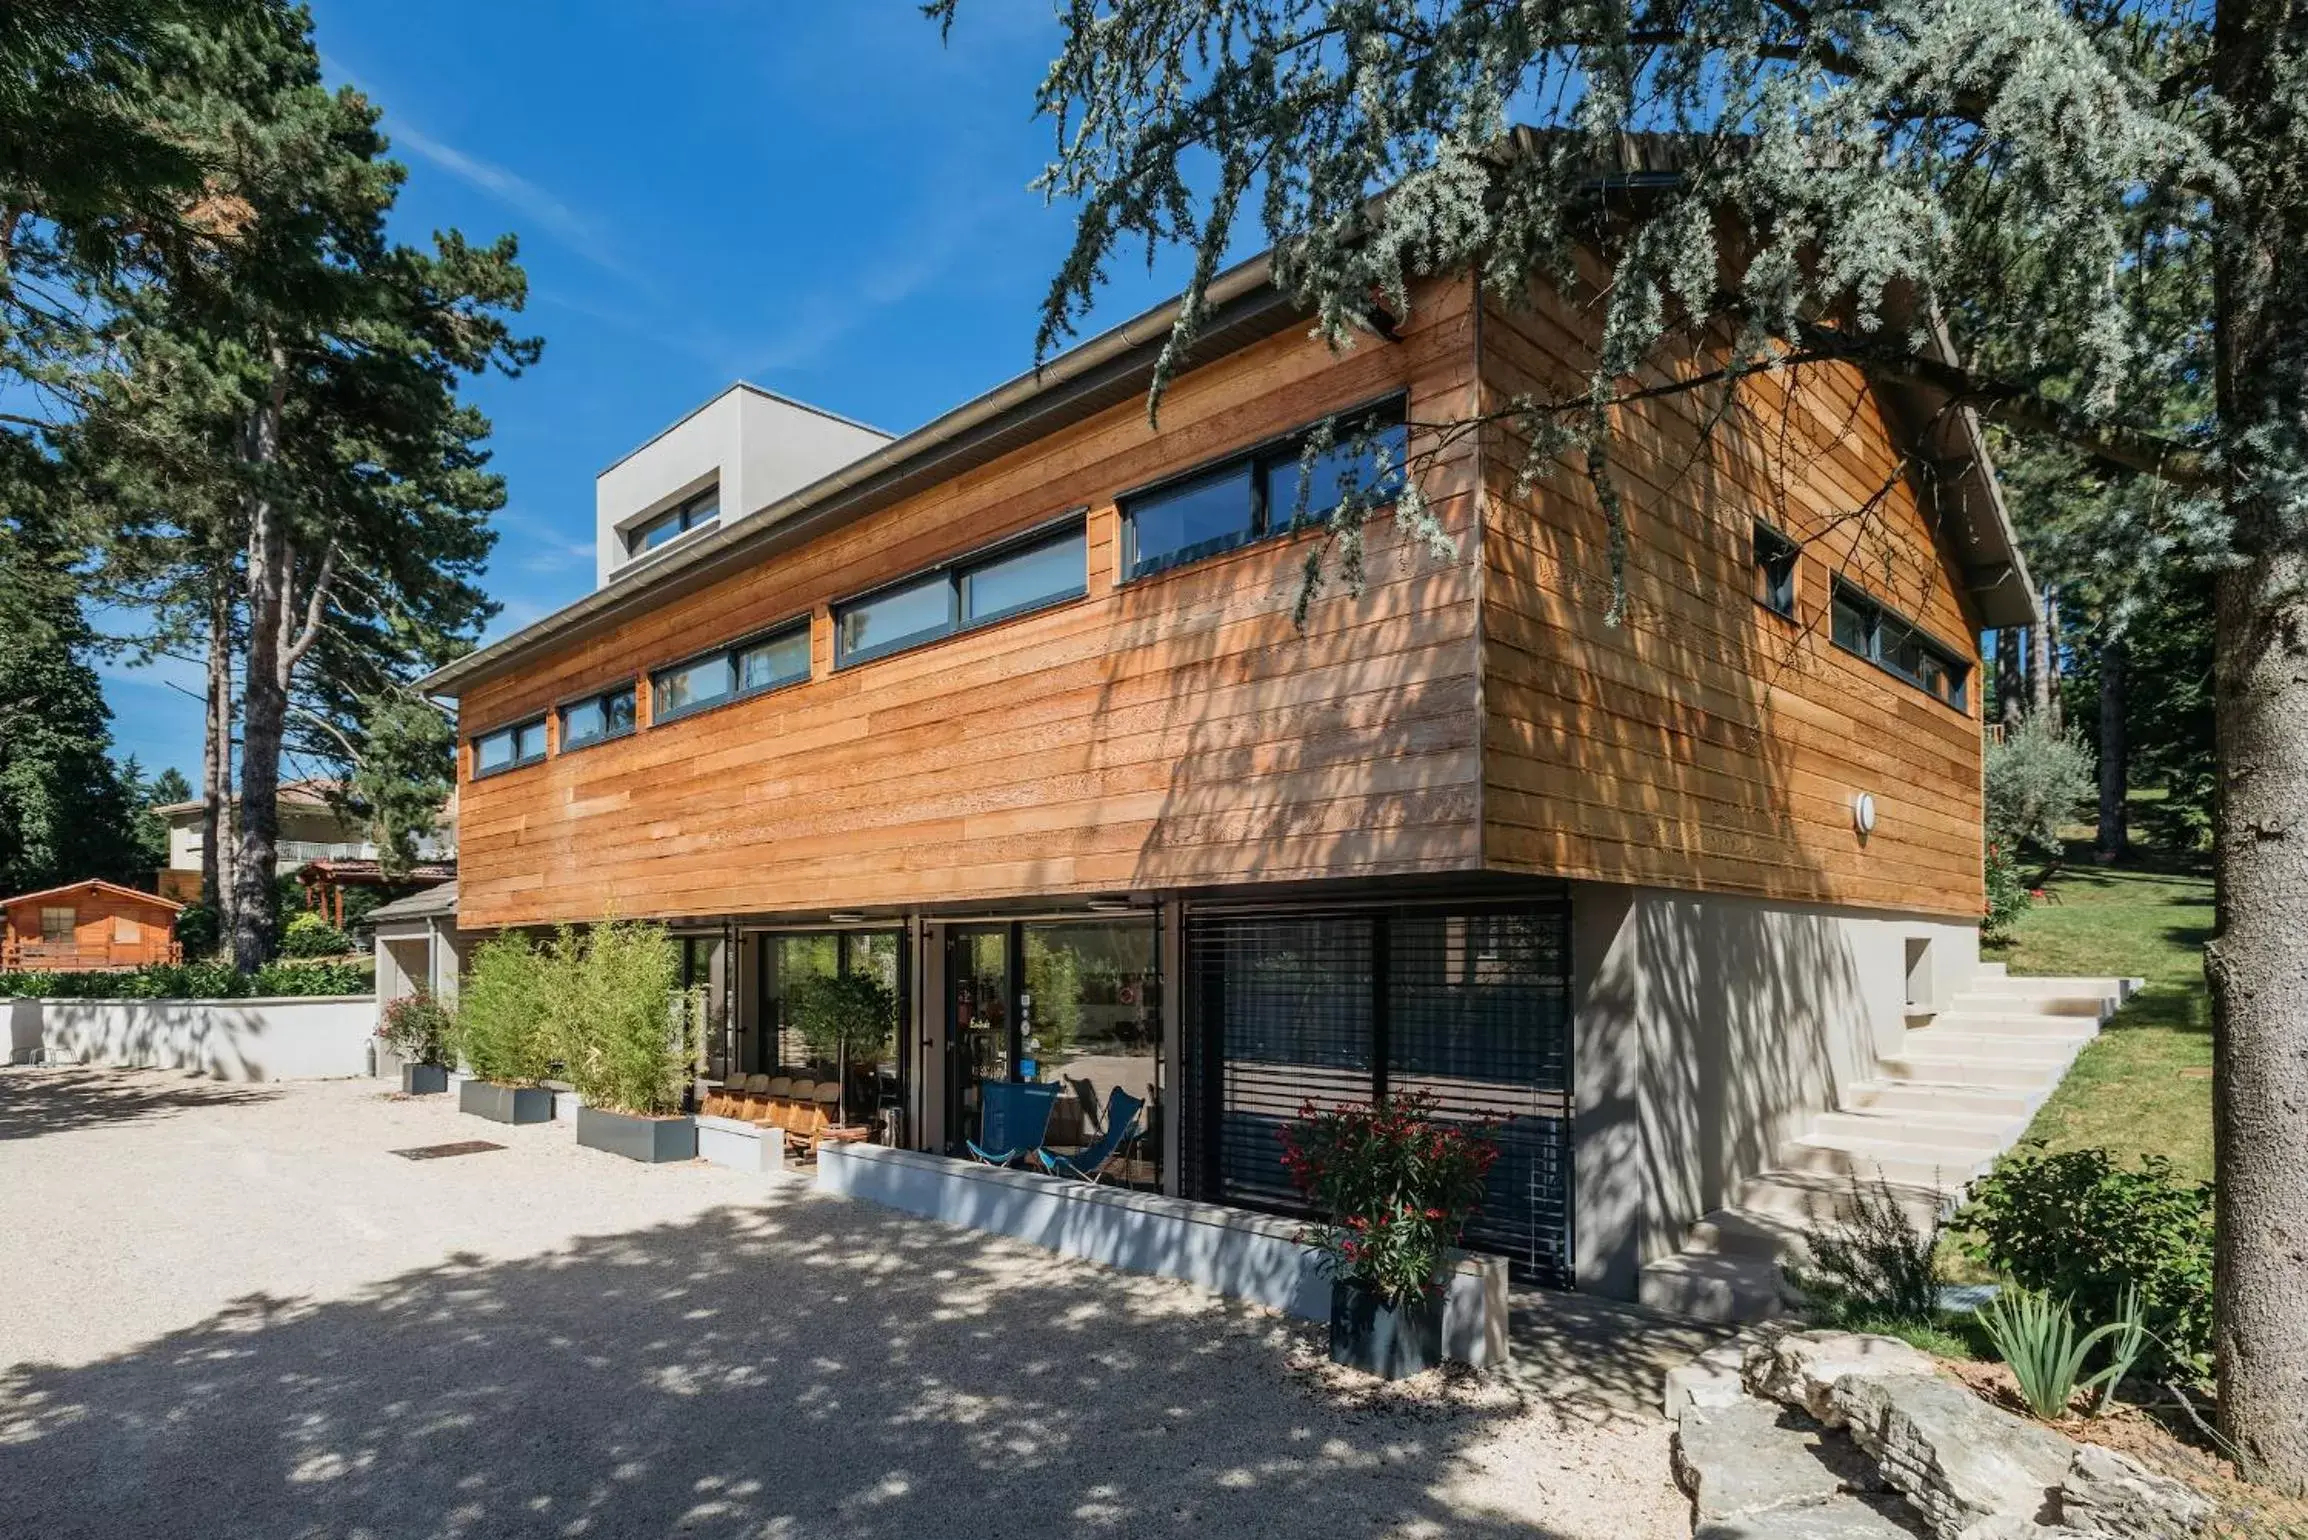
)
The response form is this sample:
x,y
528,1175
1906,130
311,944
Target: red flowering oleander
x,y
1392,1186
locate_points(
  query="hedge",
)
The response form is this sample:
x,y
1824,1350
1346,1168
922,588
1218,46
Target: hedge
x,y
197,981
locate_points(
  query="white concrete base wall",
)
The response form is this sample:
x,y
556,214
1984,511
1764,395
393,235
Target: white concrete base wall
x,y
313,1038
1227,1251
1709,1031
24,1022
739,1145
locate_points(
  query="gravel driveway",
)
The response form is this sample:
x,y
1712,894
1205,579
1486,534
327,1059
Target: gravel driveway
x,y
231,1311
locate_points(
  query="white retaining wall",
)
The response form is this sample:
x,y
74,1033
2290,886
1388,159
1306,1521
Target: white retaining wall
x,y
286,1038
1228,1251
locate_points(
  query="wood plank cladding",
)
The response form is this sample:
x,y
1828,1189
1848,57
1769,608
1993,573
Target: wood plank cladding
x,y
1707,742
1174,731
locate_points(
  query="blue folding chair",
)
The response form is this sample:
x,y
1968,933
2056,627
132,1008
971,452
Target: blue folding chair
x,y
1014,1119
1122,1113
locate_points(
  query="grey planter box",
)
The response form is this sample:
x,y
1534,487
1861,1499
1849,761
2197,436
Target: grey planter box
x,y
1393,1342
651,1140
505,1103
424,1079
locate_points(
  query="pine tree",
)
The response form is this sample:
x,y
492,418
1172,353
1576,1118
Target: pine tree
x,y
2032,171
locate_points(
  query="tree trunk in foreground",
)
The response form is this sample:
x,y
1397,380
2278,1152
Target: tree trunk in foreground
x,y
2115,767
217,832
264,703
2257,963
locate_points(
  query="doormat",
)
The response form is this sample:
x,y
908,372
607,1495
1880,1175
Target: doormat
x,y
443,1151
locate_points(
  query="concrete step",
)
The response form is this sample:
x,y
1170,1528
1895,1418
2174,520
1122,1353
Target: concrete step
x,y
1970,1071
1711,1288
1753,1233
2001,1003
1918,1163
1816,1197
2029,984
2052,1029
1918,1096
1996,1048
1990,1128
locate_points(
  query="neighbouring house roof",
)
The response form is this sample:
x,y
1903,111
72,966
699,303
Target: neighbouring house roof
x,y
1241,306
311,791
433,903
94,885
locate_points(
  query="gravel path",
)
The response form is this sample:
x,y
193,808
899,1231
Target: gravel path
x,y
231,1311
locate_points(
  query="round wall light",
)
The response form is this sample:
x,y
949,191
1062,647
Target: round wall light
x,y
1863,813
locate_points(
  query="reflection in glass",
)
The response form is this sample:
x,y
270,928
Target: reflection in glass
x,y
978,1015
1184,523
1090,1021
896,617
1025,578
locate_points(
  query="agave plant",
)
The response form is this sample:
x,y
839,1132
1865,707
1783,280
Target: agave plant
x,y
2036,1335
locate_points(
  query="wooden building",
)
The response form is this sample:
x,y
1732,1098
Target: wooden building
x,y
86,926
1014,710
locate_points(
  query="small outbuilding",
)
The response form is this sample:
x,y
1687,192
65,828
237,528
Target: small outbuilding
x,y
84,927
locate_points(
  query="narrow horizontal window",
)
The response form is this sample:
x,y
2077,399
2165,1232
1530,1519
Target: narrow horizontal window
x,y
1368,464
1267,492
704,508
1010,580
1199,518
1775,556
605,716
781,659
749,667
1863,626
895,618
509,748
1022,580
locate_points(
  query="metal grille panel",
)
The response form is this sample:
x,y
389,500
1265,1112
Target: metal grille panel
x,y
1473,1007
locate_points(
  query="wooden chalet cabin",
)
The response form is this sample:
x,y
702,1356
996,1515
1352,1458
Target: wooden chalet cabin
x,y
1012,711
87,926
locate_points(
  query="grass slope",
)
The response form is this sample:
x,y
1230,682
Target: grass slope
x,y
2145,1085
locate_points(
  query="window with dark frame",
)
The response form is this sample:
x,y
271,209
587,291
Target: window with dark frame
x,y
1892,643
57,922
751,667
509,748
1775,557
597,719
1263,492
684,516
1014,578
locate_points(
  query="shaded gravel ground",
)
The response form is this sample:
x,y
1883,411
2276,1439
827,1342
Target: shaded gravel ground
x,y
229,1311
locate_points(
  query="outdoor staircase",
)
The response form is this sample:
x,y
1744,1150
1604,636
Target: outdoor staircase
x,y
1959,1092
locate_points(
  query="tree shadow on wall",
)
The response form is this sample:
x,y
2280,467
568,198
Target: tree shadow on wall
x,y
806,1367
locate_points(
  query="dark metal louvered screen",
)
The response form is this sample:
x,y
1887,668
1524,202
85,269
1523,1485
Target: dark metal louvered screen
x,y
1479,1015
1285,1005
1473,1007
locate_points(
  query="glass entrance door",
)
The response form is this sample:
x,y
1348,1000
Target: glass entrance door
x,y
978,1023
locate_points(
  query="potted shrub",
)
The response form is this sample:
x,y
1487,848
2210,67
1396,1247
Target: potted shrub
x,y
842,1015
505,1030
415,1029
1393,1190
629,1047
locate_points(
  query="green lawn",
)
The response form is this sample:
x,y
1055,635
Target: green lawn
x,y
2144,1086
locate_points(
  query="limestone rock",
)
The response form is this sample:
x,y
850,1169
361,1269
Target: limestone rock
x,y
1710,1381
1839,1518
2114,1494
1746,1458
1958,1459
2010,1526
1801,1368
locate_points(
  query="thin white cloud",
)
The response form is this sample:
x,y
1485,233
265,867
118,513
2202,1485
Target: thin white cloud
x,y
540,206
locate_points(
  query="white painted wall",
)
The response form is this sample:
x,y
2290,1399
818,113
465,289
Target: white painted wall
x,y
317,1038
1709,1031
755,445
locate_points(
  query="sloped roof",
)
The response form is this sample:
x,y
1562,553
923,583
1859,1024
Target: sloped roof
x,y
310,791
431,903
91,885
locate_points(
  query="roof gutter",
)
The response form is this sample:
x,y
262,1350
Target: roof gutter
x,y
825,494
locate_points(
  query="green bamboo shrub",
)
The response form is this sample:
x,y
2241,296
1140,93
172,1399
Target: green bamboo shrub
x,y
505,1021
628,1034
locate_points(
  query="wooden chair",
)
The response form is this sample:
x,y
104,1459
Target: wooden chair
x,y
793,1108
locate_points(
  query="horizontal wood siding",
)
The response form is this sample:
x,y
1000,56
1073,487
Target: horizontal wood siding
x,y
1178,731
1707,743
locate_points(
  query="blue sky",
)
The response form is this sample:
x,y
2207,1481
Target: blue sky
x,y
823,199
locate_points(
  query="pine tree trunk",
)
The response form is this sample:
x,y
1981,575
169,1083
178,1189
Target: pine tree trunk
x,y
2115,767
2257,962
264,705
217,832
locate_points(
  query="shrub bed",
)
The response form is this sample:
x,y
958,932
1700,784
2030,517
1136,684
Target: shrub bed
x,y
198,981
